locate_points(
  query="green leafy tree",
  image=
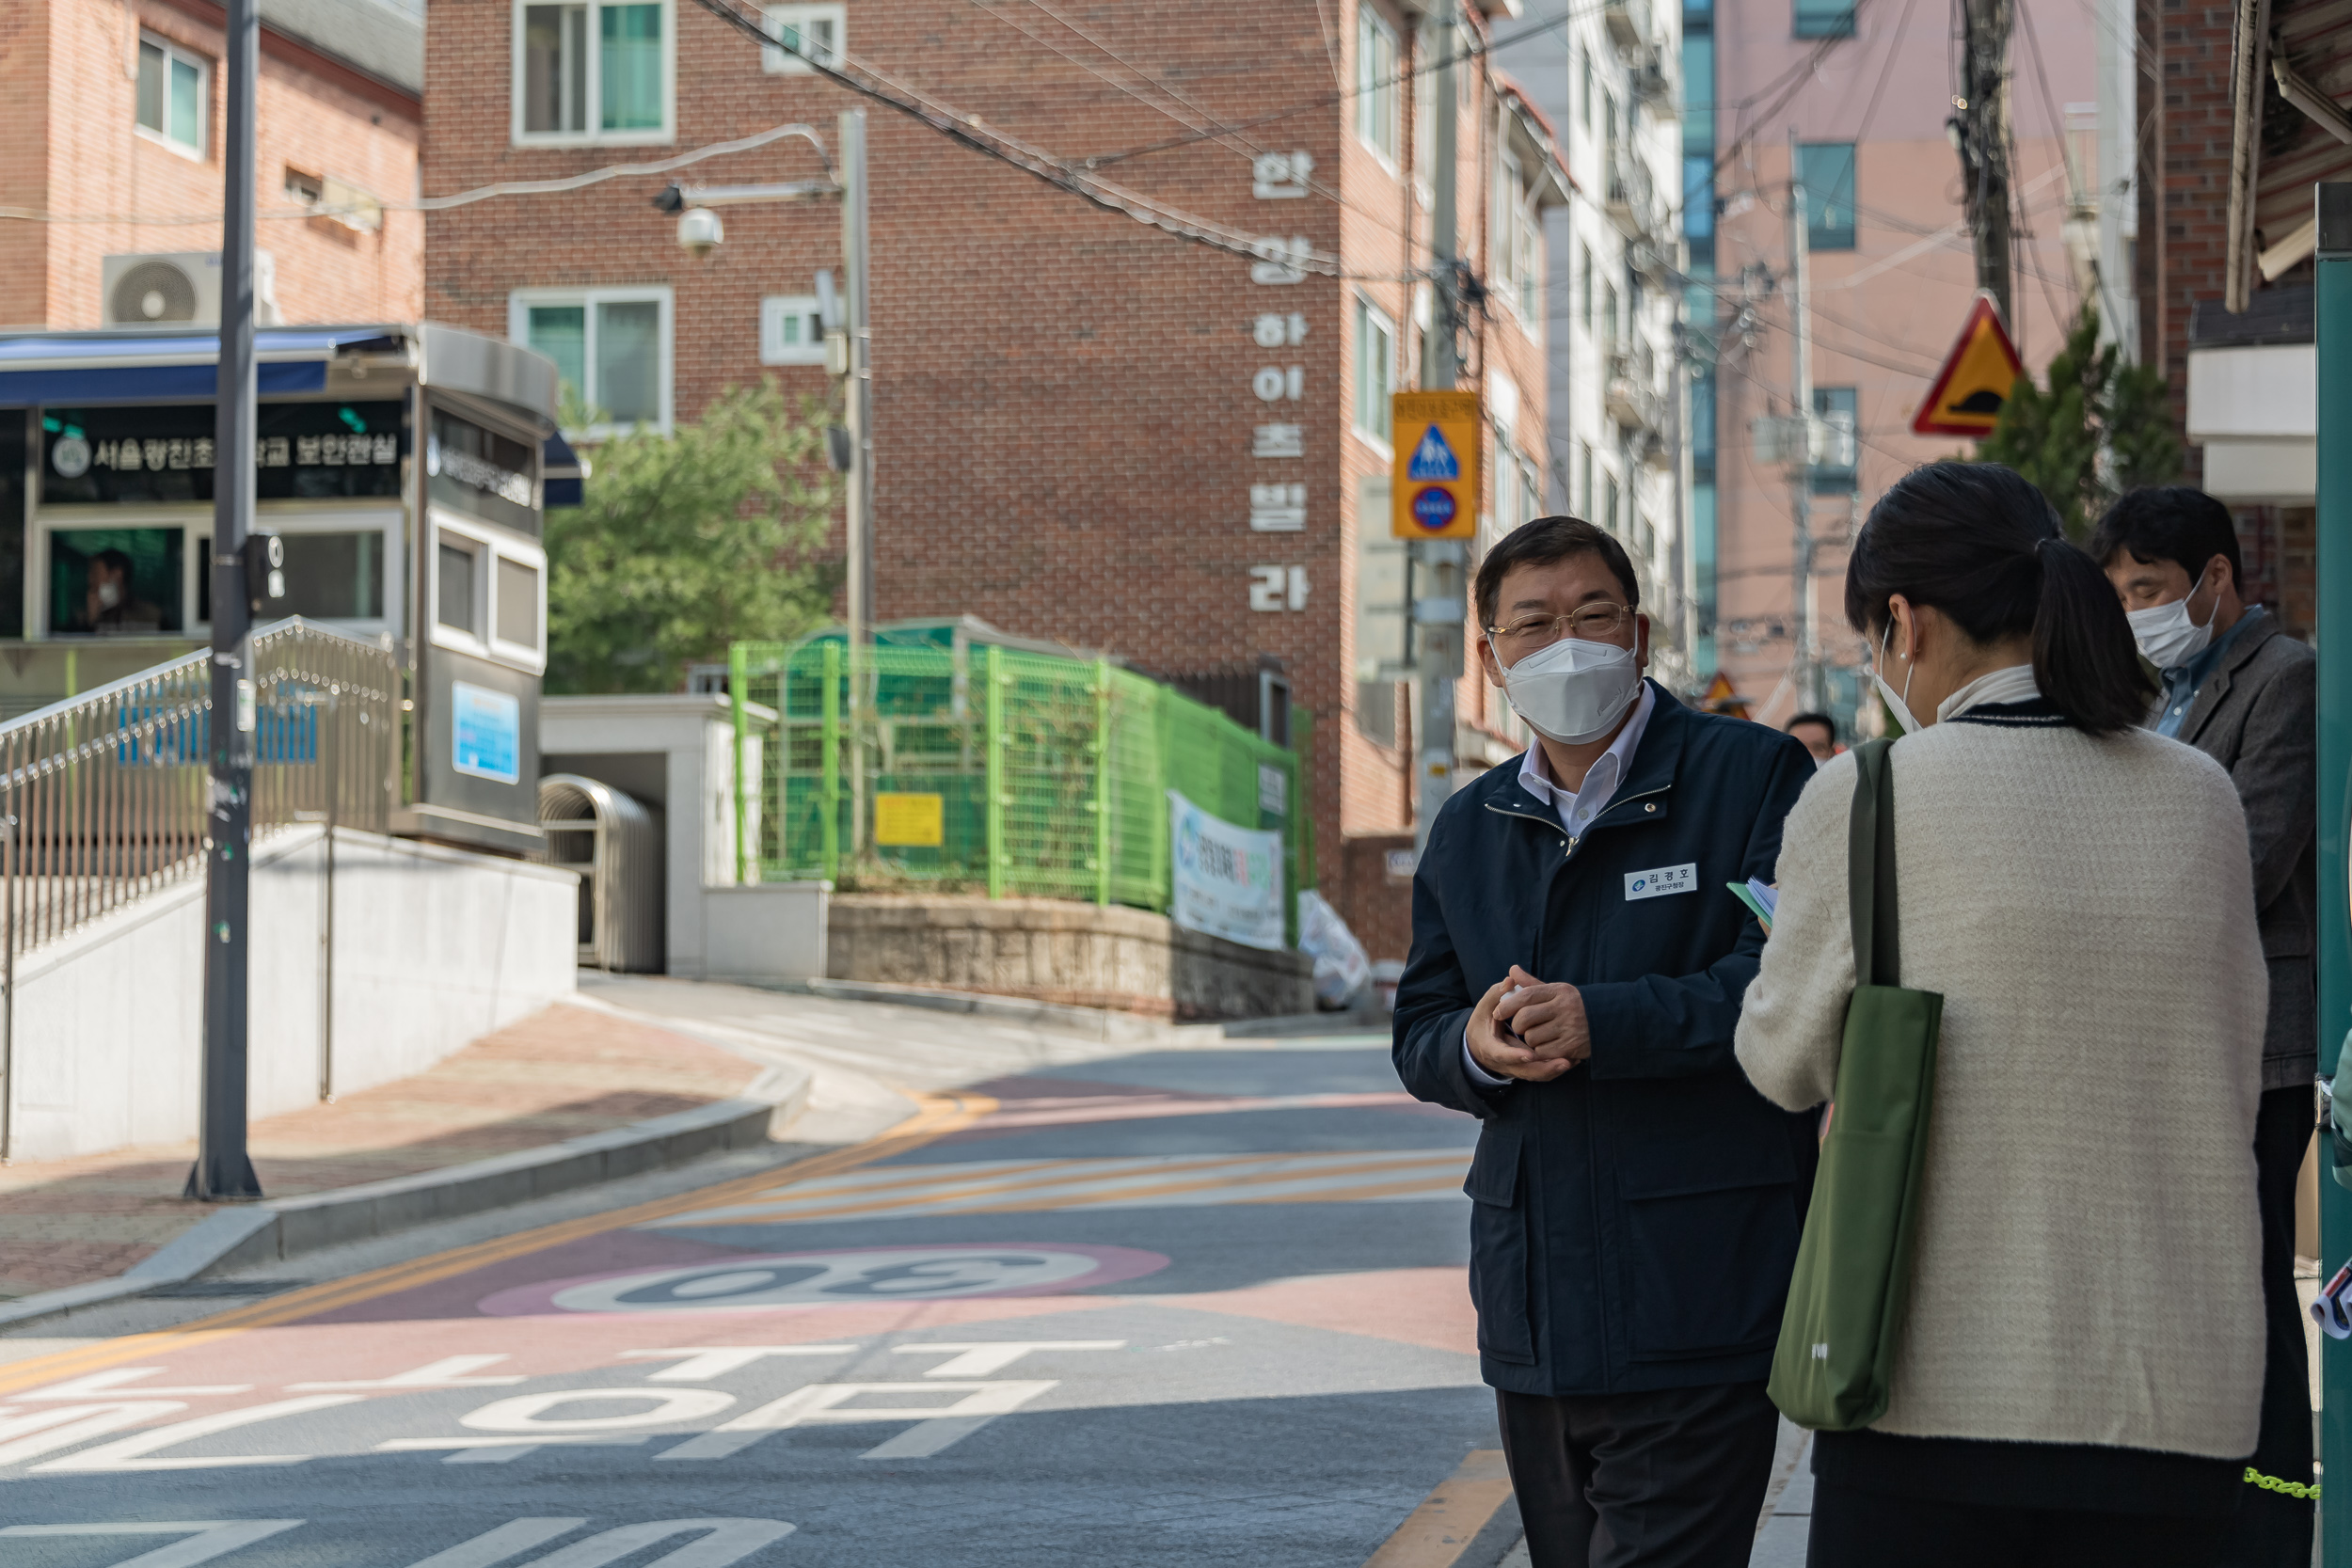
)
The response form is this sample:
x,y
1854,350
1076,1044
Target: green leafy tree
x,y
2099,428
688,541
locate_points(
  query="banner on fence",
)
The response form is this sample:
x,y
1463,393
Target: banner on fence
x,y
1228,880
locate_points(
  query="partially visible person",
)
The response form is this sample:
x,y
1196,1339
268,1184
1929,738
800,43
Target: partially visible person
x,y
2077,1375
2241,691
1818,732
110,606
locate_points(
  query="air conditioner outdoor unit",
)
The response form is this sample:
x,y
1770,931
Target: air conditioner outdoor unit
x,y
176,288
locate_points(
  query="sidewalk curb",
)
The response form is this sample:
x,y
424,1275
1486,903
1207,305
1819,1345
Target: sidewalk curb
x,y
1100,1024
245,1236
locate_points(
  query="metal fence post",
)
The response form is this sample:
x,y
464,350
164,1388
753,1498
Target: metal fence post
x,y
739,679
829,797
2333,308
994,717
1102,781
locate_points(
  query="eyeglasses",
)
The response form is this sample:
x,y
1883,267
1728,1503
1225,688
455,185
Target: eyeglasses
x,y
1593,623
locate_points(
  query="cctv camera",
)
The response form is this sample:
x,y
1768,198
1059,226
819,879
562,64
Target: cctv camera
x,y
699,231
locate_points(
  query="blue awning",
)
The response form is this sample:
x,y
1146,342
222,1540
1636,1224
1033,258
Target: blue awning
x,y
561,469
163,366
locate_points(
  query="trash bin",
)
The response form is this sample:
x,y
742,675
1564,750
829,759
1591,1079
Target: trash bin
x,y
611,840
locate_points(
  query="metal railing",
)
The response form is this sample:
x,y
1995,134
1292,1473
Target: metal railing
x,y
103,797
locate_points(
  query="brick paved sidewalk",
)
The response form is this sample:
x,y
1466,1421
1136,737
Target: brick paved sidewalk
x,y
558,1074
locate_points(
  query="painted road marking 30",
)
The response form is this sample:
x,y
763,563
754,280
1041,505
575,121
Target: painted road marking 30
x,y
854,1277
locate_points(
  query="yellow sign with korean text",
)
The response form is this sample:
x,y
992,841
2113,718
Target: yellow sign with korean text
x,y
1432,491
910,821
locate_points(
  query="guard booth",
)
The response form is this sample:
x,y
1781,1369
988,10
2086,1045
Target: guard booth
x,y
611,840
406,467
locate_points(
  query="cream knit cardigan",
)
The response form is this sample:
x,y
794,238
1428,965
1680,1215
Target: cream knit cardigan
x,y
2086,1269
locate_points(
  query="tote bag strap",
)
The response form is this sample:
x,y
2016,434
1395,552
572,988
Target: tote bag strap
x,y
1870,867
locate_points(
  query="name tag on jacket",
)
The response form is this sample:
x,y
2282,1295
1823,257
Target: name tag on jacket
x,y
1665,880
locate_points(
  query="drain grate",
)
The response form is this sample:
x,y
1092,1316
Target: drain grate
x,y
187,1289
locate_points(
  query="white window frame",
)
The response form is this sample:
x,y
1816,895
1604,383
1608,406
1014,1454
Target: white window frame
x,y
518,304
775,309
1375,98
202,150
777,61
591,136
489,545
1369,318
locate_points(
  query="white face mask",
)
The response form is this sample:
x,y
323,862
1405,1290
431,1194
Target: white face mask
x,y
109,595
1894,703
1574,691
2165,635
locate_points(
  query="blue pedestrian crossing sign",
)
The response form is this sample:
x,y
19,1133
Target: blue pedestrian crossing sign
x,y
1433,482
1432,458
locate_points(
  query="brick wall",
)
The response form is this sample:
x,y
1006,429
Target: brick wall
x,y
69,144
1063,397
2192,184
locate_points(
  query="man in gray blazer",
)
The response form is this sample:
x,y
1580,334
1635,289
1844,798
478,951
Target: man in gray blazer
x,y
2240,690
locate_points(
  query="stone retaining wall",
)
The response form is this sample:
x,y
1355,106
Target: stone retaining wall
x,y
1053,950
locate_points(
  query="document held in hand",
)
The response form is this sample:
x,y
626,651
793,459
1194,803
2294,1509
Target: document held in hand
x,y
1761,897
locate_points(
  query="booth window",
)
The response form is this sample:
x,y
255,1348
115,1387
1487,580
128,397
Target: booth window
x,y
454,590
611,346
592,70
115,581
519,603
173,95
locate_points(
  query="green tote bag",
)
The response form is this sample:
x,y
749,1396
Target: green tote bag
x,y
1836,1359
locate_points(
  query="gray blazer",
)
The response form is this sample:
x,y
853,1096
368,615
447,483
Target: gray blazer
x,y
2257,717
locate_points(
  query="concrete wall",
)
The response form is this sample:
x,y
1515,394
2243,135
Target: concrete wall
x,y
1056,951
433,947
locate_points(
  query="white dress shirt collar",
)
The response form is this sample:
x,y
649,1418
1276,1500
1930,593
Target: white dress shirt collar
x,y
2012,683
1577,808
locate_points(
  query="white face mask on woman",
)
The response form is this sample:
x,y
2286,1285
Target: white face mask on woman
x,y
2167,638
1895,704
1574,691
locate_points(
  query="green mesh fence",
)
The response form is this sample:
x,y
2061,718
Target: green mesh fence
x,y
988,770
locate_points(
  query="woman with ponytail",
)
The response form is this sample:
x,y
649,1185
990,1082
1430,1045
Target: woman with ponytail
x,y
2078,1370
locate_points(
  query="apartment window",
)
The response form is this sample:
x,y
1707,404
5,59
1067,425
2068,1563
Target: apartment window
x,y
1609,318
1518,240
803,33
791,331
1426,44
592,70
1825,169
1837,473
611,346
1375,372
1585,479
1823,19
1531,492
174,95
1607,518
1698,92
1584,286
1375,84
1584,95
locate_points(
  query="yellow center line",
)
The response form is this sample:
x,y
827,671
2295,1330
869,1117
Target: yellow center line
x,y
1435,1535
936,1117
1080,1191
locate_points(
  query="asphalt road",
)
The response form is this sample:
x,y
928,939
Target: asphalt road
x,y
1171,1306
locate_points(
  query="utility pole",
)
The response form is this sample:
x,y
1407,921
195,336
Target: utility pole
x,y
1979,130
858,413
222,1172
1803,674
1437,600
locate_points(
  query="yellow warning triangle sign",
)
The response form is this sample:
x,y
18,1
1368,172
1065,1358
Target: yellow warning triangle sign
x,y
1976,379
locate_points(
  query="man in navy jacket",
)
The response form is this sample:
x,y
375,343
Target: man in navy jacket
x,y
1577,971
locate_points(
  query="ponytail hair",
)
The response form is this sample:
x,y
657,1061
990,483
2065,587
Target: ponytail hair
x,y
1981,544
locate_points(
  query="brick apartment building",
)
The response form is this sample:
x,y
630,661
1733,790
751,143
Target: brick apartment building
x,y
111,119
1086,429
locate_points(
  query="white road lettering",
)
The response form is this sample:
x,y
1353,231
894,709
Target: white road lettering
x,y
829,1402
448,1372
132,1453
109,1385
527,1411
493,1546
499,1450
39,1431
704,1362
206,1538
986,1358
